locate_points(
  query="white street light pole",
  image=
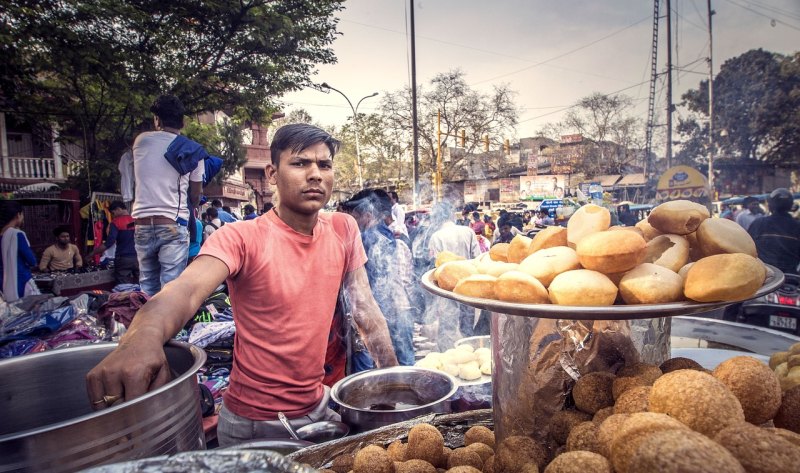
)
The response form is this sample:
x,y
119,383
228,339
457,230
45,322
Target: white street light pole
x,y
325,85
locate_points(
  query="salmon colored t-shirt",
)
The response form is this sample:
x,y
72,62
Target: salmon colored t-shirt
x,y
283,287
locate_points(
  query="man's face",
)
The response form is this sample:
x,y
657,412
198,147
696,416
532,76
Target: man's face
x,y
754,207
304,179
63,238
505,229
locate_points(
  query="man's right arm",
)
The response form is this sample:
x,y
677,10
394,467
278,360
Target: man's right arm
x,y
138,364
46,257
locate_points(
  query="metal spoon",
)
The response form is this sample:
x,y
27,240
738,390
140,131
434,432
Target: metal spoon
x,y
285,422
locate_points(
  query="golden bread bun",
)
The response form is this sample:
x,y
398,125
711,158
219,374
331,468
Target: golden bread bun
x,y
611,252
548,238
586,220
445,256
648,232
719,235
582,287
477,285
519,248
630,229
548,263
724,278
516,286
499,252
678,216
448,274
495,268
650,283
670,251
694,247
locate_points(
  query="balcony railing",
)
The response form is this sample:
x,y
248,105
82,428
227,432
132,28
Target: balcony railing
x,y
15,167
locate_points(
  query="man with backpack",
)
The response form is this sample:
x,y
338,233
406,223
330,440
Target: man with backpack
x,y
168,170
212,223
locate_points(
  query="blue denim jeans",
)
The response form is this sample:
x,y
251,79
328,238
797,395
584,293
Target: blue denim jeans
x,y
162,251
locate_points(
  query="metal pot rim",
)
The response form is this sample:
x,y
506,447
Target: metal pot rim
x,y
454,385
198,355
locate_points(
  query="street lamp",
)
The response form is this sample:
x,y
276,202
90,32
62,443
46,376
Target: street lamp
x,y
325,85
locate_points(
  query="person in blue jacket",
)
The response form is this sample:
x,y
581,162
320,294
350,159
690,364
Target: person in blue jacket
x,y
17,256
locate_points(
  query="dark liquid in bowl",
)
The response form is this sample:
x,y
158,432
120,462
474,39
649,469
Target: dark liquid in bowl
x,y
390,398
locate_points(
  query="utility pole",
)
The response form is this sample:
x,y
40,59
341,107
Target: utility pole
x,y
711,184
438,155
415,134
669,84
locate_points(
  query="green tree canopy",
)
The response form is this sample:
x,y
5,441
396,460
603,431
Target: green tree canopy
x,y
756,103
93,67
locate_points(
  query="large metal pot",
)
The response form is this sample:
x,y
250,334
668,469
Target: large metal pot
x,y
48,424
380,397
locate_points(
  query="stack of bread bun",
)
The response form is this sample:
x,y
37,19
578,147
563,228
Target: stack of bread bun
x,y
464,362
678,253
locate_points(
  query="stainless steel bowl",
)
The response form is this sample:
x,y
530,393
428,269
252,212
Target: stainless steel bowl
x,y
48,424
323,431
380,397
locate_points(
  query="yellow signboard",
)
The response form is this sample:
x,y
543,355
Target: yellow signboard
x,y
681,182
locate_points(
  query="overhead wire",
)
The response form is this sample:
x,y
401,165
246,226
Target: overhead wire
x,y
772,18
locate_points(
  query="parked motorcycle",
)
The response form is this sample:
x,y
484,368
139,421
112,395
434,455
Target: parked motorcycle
x,y
779,310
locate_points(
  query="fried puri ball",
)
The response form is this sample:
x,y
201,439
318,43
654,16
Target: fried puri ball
x,y
584,437
529,468
633,400
479,434
373,459
425,442
627,382
677,451
633,431
697,399
593,391
464,469
562,422
343,463
792,437
488,465
397,451
414,466
462,456
499,252
483,450
645,370
514,452
579,462
788,416
680,363
759,450
602,415
607,430
754,384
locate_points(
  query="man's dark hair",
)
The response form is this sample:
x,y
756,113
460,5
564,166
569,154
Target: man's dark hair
x,y
476,215
170,110
116,204
9,209
299,136
226,208
248,209
212,212
216,203
393,195
375,201
61,229
267,207
780,200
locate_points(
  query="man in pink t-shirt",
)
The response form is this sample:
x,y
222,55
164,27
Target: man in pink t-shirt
x,y
284,270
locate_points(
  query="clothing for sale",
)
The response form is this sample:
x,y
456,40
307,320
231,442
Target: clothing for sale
x,y
160,190
283,287
777,239
206,333
15,264
56,258
122,307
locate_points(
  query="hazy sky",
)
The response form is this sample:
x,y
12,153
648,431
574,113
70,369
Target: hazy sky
x,y
551,53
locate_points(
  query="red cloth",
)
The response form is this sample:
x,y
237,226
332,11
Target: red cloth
x,y
283,288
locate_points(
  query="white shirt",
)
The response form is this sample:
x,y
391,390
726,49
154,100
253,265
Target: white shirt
x,y
459,239
160,190
399,217
208,229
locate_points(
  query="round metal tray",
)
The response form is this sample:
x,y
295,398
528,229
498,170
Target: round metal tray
x,y
615,312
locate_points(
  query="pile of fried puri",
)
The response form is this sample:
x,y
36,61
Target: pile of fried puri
x,y
677,417
464,362
678,253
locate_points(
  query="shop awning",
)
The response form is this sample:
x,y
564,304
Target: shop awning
x,y
607,180
633,180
